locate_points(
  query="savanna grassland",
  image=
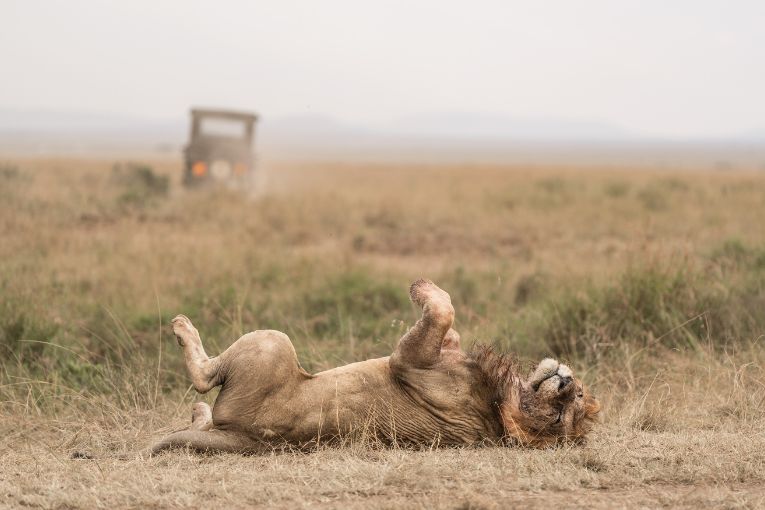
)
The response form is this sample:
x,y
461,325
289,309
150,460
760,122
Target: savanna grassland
x,y
651,284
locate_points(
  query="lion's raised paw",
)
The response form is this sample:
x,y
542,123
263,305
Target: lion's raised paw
x,y
184,330
423,291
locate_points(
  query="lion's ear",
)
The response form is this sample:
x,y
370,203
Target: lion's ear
x,y
591,407
583,426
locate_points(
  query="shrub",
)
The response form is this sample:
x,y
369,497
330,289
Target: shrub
x,y
653,198
140,185
732,250
9,171
617,189
643,306
677,307
23,335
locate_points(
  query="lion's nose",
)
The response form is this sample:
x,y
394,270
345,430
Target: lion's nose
x,y
564,381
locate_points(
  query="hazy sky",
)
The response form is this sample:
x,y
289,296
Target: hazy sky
x,y
666,68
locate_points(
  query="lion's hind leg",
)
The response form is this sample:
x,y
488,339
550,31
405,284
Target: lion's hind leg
x,y
207,441
202,369
201,417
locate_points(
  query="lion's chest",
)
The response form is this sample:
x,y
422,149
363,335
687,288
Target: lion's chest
x,y
446,404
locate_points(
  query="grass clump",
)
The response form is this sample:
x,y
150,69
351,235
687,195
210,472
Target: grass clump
x,y
9,172
617,188
19,338
649,306
653,198
140,185
24,334
732,251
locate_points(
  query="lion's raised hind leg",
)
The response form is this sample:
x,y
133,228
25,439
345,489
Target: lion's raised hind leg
x,y
202,369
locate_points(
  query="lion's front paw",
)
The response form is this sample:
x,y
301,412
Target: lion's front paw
x,y
184,330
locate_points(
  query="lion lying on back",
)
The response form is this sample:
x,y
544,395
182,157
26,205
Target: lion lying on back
x,y
427,392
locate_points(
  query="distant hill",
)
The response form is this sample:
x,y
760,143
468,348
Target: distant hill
x,y
433,125
433,137
473,125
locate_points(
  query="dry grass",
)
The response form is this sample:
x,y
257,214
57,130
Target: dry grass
x,y
676,439
653,285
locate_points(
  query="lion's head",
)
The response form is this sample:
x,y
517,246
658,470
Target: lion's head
x,y
549,406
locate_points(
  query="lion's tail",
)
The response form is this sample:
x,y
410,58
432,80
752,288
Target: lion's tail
x,y
83,455
197,440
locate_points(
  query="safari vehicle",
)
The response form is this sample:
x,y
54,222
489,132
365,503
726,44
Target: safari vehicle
x,y
220,149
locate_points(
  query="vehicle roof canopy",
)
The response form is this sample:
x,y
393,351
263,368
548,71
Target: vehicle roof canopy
x,y
224,114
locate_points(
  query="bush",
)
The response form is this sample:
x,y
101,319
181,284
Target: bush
x,y
140,185
9,172
646,306
642,306
23,335
617,189
653,198
733,251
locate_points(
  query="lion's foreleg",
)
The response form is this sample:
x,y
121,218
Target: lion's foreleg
x,y
451,341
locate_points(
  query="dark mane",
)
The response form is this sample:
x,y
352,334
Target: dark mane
x,y
498,374
497,369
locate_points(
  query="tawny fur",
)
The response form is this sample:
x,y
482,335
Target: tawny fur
x,y
427,392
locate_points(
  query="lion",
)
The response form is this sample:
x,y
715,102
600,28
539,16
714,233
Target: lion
x,y
428,392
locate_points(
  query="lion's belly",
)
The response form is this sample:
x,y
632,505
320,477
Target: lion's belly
x,y
362,400
344,401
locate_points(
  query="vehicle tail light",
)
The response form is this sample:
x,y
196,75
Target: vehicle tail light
x,y
199,169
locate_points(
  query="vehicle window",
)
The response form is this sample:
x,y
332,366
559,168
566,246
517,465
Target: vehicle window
x,y
223,128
